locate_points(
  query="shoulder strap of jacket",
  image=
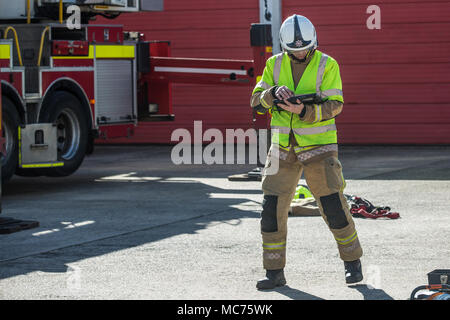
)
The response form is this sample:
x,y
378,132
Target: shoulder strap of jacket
x,y
321,72
277,67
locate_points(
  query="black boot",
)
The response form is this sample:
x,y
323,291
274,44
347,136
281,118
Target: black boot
x,y
353,271
274,278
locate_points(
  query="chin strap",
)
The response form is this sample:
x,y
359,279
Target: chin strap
x,y
309,54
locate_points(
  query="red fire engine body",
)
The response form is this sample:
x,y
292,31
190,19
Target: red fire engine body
x,y
62,88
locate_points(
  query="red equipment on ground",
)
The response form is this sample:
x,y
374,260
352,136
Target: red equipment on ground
x,y
363,208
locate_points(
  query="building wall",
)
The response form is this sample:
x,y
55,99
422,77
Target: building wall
x,y
396,80
199,29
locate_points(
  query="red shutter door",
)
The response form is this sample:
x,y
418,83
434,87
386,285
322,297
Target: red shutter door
x,y
396,80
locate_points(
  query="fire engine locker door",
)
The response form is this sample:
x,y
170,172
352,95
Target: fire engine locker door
x,y
115,91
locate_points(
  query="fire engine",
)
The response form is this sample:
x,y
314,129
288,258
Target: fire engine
x,y
63,84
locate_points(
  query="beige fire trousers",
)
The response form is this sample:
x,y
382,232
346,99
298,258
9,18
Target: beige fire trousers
x,y
323,175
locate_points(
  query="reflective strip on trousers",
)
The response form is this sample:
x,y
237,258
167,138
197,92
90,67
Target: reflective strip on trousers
x,y
274,246
314,130
277,68
349,239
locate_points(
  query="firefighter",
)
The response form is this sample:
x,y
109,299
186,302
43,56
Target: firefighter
x,y
304,140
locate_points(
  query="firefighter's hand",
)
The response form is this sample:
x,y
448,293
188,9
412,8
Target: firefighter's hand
x,y
283,92
296,108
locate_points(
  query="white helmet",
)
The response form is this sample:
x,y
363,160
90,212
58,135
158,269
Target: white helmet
x,y
297,33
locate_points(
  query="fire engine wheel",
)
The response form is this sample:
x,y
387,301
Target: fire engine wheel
x,y
10,123
66,111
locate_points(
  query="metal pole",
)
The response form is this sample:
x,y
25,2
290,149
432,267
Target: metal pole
x,y
1,182
270,12
1,148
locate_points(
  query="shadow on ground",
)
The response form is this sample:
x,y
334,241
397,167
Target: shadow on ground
x,y
296,294
359,163
370,293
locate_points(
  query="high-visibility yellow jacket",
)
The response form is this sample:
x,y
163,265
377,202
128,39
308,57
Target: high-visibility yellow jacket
x,y
322,77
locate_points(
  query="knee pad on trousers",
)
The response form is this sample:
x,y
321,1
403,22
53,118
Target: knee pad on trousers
x,y
269,214
332,208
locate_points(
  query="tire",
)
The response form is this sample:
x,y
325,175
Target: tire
x,y
10,123
66,111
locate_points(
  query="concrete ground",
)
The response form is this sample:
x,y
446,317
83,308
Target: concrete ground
x,y
132,225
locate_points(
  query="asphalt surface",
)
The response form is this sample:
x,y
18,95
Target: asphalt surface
x,y
129,224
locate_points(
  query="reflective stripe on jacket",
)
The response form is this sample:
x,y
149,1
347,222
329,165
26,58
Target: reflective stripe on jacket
x,y
322,77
